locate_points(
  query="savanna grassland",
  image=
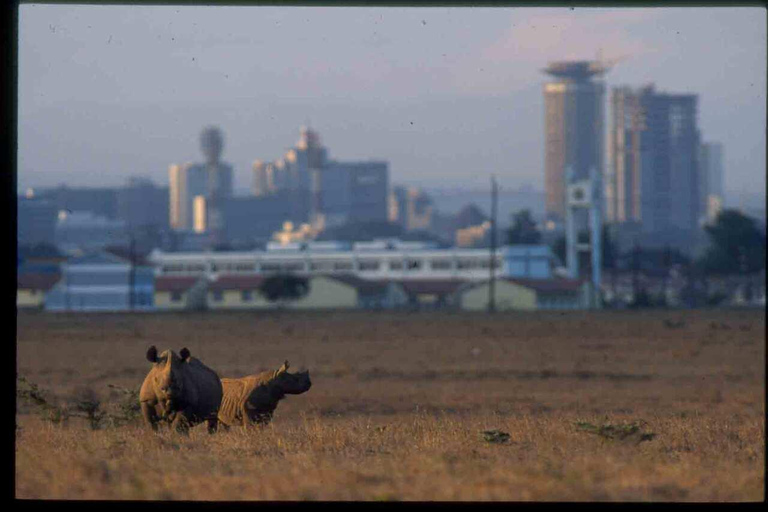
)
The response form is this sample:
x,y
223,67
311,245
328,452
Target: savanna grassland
x,y
399,402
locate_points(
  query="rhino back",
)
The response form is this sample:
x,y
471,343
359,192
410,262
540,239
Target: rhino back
x,y
235,393
203,388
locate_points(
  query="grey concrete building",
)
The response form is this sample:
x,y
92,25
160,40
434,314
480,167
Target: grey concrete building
x,y
211,180
653,181
351,191
321,190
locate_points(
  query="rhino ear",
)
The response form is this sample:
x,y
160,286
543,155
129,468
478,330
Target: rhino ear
x,y
283,368
184,354
152,354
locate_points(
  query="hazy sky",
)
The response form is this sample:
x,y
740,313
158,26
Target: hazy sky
x,y
446,95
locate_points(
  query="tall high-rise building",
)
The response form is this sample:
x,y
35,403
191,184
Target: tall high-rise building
x,y
573,126
653,177
212,180
293,170
351,192
411,208
321,190
711,174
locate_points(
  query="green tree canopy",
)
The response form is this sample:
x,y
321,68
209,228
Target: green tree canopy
x,y
737,245
523,230
284,287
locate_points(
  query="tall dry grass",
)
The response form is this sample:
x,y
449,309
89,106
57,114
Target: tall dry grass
x,y
399,401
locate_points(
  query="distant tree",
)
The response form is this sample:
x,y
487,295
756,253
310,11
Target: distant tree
x,y
284,288
737,245
642,299
523,230
655,261
469,215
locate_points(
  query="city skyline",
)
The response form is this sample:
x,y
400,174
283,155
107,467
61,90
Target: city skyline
x,y
464,105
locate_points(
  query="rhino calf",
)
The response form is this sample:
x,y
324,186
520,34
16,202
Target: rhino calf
x,y
179,390
253,399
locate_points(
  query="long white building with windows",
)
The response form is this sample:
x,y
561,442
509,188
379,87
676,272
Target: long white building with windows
x,y
377,260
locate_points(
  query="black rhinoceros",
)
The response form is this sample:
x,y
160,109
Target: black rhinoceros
x,y
253,399
179,390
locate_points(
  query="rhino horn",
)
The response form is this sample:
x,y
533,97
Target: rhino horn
x,y
184,353
152,354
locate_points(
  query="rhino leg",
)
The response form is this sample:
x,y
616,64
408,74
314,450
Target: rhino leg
x,y
245,413
149,414
264,418
181,423
213,424
259,418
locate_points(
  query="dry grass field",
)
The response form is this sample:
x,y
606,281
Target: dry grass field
x,y
399,401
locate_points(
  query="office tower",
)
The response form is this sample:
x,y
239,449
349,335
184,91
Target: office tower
x,y
212,180
398,206
653,178
291,175
263,179
187,181
573,127
140,203
351,192
293,170
411,208
711,180
36,221
324,191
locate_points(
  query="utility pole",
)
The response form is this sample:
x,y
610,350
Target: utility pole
x,y
667,269
635,269
66,287
492,280
131,273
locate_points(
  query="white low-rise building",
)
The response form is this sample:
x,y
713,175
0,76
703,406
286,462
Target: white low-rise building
x,y
378,260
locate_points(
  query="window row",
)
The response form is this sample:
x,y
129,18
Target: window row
x,y
363,265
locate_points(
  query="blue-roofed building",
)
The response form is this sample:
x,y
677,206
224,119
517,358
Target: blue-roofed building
x,y
527,261
102,281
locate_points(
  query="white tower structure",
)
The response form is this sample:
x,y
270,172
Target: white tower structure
x,y
583,196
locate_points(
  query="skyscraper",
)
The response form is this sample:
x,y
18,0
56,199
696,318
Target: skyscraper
x,y
653,177
321,190
212,180
573,127
711,174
